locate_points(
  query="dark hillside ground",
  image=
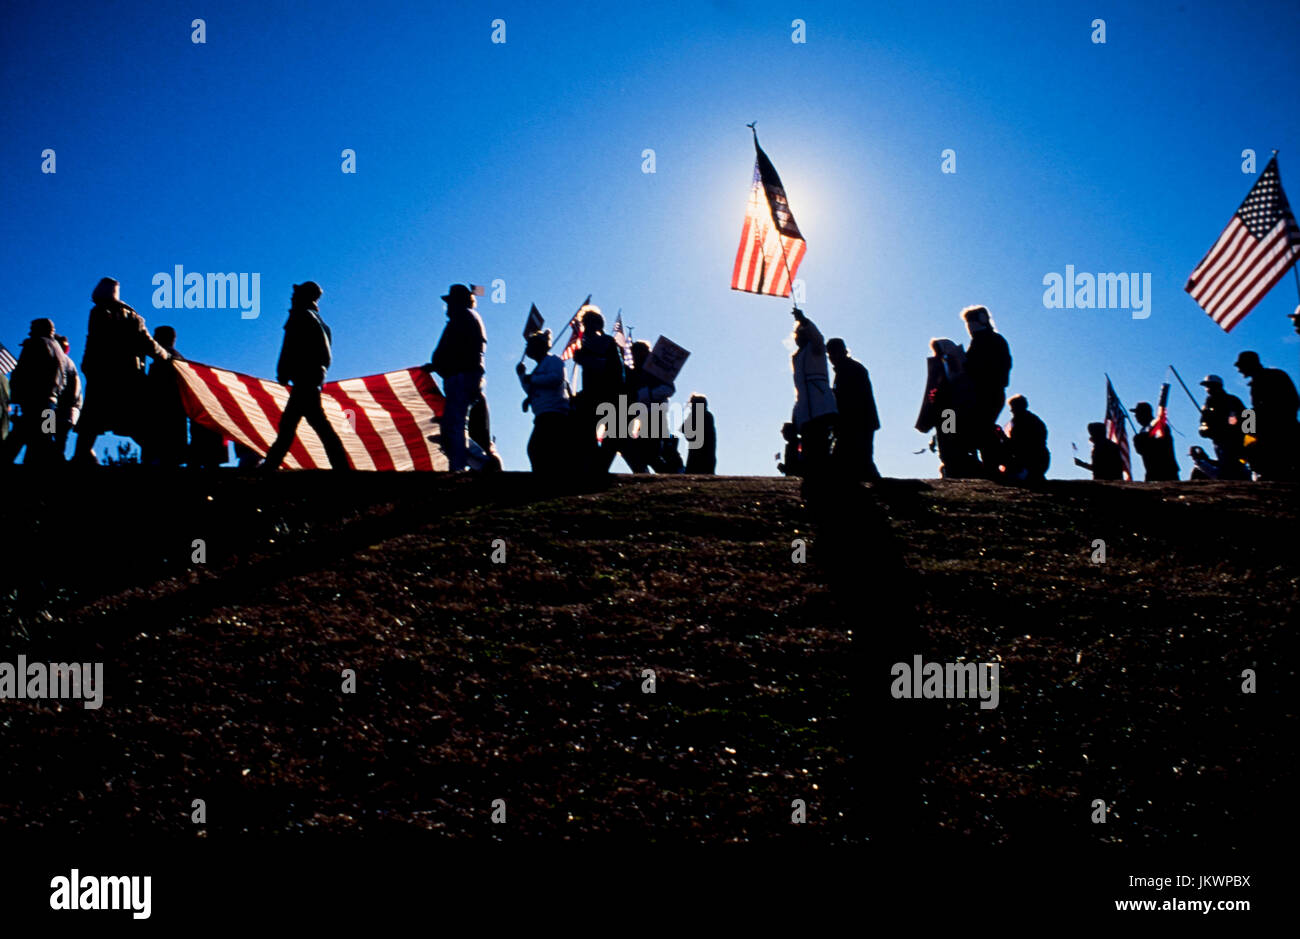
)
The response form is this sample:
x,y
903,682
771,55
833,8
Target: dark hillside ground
x,y
522,680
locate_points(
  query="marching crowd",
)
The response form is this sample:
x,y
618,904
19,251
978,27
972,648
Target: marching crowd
x,y
832,426
966,391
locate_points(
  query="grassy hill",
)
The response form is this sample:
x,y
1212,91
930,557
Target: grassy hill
x,y
523,680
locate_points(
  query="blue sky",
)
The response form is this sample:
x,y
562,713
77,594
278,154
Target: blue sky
x,y
523,161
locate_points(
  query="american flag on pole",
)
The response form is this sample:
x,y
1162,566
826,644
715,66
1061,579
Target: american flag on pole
x,y
575,329
771,246
7,361
1253,253
384,421
621,338
1116,432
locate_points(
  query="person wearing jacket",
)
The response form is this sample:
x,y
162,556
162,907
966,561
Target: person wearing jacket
x,y
988,362
655,447
1276,449
117,342
70,398
36,385
305,357
701,436
815,410
1156,450
548,396
459,360
858,421
601,361
1026,455
1221,423
1107,459
946,409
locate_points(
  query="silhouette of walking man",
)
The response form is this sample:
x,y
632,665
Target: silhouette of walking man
x,y
305,357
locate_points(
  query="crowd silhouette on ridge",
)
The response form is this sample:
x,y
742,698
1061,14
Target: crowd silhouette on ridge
x,y
831,431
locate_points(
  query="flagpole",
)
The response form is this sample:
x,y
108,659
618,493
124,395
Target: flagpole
x,y
779,239
571,319
1185,388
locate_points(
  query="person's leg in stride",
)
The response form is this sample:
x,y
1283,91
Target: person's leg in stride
x,y
288,430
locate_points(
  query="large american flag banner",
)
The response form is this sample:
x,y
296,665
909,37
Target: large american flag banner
x,y
386,422
1253,253
771,246
1115,429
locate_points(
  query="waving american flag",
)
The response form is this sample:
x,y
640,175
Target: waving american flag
x,y
771,245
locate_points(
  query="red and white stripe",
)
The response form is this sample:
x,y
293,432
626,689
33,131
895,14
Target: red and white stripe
x,y
766,260
384,421
1236,273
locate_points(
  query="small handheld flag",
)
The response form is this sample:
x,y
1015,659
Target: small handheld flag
x,y
535,321
1253,253
477,290
623,340
1116,432
771,246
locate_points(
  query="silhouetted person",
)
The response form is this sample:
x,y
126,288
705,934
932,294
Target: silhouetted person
x,y
117,342
1221,423
655,446
1026,455
701,436
1205,468
946,408
459,359
70,399
1107,460
790,463
1273,398
168,437
305,357
815,411
858,421
988,362
548,396
36,383
601,361
4,406
480,435
1154,445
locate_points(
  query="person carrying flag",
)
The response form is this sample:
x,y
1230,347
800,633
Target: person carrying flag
x,y
548,396
1155,444
1107,461
117,342
815,410
305,357
38,381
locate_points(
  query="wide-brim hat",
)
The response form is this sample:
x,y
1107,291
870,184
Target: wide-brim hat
x,y
309,289
458,293
1211,380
